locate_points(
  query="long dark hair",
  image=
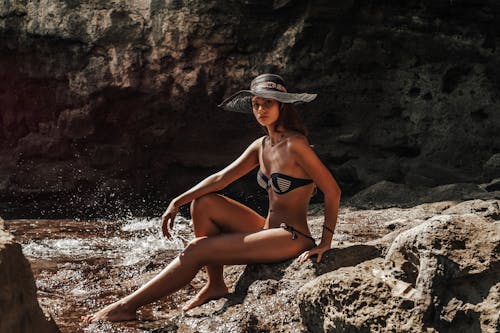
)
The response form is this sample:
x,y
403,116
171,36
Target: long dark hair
x,y
289,119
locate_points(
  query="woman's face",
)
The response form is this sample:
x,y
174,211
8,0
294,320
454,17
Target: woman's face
x,y
265,110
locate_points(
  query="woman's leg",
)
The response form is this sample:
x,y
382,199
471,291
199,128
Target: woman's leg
x,y
176,275
213,214
271,245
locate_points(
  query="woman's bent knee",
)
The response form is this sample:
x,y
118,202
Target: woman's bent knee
x,y
203,202
194,249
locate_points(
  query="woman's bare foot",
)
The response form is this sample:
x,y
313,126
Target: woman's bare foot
x,y
207,293
117,311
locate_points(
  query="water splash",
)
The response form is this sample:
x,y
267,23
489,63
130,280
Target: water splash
x,y
80,266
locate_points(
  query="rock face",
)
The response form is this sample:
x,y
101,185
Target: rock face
x,y
440,276
105,103
19,308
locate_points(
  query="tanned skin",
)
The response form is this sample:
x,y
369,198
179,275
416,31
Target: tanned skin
x,y
228,232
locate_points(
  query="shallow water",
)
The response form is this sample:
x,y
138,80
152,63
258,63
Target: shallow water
x,y
79,266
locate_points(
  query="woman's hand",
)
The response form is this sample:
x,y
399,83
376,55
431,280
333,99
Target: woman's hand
x,y
318,250
167,219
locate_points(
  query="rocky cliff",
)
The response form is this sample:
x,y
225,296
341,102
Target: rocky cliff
x,y
113,102
19,308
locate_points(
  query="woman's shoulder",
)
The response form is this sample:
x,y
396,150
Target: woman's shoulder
x,y
297,139
298,143
258,142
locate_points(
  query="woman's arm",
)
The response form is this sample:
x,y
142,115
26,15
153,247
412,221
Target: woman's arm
x,y
216,182
310,162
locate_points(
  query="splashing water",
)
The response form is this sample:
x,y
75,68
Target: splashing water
x,y
80,266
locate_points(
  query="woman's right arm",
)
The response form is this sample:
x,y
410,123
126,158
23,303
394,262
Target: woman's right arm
x,y
216,182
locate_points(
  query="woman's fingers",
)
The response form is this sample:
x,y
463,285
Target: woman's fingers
x,y
165,223
303,257
316,251
172,218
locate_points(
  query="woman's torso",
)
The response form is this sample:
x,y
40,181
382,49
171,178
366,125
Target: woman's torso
x,y
290,207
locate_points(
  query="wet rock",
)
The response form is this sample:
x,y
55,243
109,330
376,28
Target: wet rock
x,y
440,275
19,308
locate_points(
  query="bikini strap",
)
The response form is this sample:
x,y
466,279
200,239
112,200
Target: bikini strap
x,y
294,232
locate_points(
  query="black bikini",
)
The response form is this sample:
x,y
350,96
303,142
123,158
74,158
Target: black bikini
x,y
281,184
294,232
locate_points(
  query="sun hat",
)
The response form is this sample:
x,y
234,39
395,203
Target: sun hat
x,y
265,86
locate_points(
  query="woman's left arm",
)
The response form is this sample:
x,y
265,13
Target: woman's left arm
x,y
310,162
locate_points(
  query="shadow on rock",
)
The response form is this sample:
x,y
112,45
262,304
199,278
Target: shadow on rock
x,y
345,257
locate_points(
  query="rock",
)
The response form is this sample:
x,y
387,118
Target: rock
x,y
36,145
494,185
492,166
433,174
442,275
378,261
19,308
457,192
349,137
385,194
489,209
388,194
264,295
76,124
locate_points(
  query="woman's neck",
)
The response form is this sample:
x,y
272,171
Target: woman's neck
x,y
276,136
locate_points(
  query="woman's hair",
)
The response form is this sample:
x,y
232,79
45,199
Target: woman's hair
x,y
289,119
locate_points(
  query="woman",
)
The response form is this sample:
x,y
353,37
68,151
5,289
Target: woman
x,y
227,232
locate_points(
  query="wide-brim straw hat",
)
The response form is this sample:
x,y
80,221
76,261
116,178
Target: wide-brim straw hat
x,y
265,86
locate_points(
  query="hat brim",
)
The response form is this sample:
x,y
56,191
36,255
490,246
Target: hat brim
x,y
242,100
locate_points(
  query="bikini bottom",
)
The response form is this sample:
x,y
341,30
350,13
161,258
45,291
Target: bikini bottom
x,y
295,232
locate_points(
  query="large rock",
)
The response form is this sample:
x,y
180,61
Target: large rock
x,y
19,308
440,276
430,267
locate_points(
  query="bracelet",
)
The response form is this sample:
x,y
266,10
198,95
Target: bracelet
x,y
325,227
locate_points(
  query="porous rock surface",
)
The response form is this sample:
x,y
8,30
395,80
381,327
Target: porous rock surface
x,y
106,103
19,308
431,267
434,267
442,275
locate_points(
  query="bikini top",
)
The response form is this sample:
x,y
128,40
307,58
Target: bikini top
x,y
279,182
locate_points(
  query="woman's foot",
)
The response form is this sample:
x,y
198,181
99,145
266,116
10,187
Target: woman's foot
x,y
117,311
207,293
